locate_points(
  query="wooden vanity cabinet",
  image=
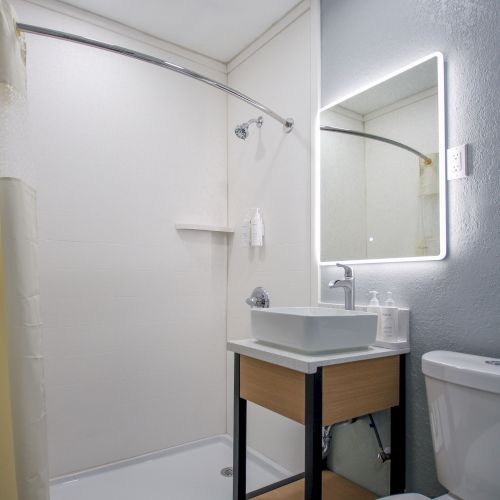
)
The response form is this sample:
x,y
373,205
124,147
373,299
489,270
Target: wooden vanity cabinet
x,y
331,394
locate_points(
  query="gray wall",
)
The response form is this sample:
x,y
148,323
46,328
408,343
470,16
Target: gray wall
x,y
455,303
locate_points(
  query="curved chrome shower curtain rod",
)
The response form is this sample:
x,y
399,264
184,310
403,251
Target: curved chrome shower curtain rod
x,y
37,30
426,159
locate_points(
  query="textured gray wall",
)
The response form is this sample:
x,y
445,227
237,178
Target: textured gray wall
x,y
455,303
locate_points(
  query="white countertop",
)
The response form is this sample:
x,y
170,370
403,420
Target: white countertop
x,y
303,362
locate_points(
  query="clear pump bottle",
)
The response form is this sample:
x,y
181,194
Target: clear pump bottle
x,y
374,307
389,320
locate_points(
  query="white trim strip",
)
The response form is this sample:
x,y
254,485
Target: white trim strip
x,y
268,35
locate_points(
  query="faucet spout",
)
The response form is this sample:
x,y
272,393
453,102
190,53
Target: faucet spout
x,y
348,285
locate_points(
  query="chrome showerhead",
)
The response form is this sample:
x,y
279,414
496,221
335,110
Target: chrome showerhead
x,y
241,131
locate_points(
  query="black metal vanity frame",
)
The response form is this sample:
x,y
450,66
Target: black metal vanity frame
x,y
314,464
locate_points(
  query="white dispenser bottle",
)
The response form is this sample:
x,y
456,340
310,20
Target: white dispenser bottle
x,y
246,235
374,307
389,320
257,229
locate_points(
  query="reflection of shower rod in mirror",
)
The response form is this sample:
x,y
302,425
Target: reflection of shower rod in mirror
x,y
426,159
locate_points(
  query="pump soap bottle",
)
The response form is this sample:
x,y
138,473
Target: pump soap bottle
x,y
374,307
257,229
389,320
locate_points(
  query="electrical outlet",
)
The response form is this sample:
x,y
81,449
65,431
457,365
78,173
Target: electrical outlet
x,y
456,160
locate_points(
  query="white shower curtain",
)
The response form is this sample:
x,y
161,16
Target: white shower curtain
x,y
20,325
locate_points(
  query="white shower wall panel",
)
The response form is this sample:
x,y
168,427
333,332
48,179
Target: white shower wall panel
x,y
133,310
271,170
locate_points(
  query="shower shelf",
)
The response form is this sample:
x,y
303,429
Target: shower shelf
x,y
204,227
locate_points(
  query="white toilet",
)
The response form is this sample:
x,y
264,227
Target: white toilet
x,y
463,392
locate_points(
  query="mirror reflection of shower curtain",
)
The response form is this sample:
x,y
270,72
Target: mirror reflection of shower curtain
x,y
23,437
428,225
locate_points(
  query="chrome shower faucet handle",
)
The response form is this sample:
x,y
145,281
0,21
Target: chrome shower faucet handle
x,y
259,298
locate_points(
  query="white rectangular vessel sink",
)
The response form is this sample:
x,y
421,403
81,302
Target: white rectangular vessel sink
x,y
314,329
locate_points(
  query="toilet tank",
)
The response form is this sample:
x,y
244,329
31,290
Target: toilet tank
x,y
463,394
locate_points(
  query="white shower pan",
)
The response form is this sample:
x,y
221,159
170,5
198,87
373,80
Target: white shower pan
x,y
187,472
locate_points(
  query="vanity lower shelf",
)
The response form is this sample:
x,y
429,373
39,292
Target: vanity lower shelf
x,y
335,487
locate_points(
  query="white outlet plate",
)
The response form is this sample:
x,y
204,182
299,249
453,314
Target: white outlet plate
x,y
456,162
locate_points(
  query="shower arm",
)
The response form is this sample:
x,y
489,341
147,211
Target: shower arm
x,y
37,30
426,159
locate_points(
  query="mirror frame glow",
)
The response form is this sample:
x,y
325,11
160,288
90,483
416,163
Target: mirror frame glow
x,y
442,170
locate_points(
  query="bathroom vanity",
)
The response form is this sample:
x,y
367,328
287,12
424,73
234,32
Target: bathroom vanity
x,y
317,390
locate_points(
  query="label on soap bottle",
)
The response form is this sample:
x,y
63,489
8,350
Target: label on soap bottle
x,y
389,327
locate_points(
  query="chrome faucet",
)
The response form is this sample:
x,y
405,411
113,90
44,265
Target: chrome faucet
x,y
347,284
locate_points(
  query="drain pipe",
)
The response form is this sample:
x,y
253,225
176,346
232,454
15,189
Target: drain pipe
x,y
384,454
326,439
327,435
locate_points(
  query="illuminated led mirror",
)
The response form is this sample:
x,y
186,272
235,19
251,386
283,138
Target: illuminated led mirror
x,y
382,170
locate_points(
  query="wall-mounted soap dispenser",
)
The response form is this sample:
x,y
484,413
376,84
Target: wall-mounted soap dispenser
x,y
257,228
245,231
252,229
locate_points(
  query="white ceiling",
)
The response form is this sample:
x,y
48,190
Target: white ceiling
x,y
417,79
220,29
